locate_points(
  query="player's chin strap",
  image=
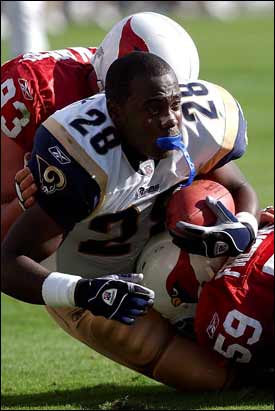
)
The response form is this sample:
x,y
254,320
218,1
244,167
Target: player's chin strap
x,y
176,143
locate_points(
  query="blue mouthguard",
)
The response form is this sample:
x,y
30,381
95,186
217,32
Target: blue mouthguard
x,y
176,143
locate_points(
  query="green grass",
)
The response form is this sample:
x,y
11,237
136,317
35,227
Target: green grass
x,y
42,367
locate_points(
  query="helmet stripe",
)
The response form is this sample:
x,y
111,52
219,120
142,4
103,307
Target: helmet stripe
x,y
130,41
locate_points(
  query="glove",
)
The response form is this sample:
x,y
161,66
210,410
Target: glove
x,y
229,237
116,297
266,216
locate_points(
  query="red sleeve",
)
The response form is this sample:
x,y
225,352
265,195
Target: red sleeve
x,y
235,313
21,104
35,85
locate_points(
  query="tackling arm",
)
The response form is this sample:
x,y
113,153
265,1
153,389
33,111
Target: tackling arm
x,y
12,159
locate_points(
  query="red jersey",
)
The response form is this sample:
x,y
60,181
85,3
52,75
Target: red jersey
x,y
235,312
35,85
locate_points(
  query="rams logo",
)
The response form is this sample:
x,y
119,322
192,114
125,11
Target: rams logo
x,y
51,177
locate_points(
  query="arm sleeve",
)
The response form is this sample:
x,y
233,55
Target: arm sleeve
x,y
66,192
22,108
240,143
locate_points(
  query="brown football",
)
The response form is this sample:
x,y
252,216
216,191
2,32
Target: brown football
x,y
188,203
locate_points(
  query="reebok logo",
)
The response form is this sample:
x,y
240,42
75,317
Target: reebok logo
x,y
59,155
25,88
211,329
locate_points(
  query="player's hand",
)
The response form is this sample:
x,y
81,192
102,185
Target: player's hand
x,y
117,297
25,186
229,237
267,216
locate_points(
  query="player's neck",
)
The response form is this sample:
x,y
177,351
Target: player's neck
x,y
132,156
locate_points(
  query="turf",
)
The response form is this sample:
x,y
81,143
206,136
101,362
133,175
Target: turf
x,y
42,368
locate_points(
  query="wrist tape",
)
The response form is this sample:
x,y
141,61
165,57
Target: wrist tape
x,y
58,289
245,217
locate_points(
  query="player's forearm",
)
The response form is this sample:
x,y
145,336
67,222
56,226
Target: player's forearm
x,y
28,281
21,274
21,277
9,213
246,199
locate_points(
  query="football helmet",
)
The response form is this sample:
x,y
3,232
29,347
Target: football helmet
x,y
175,276
150,32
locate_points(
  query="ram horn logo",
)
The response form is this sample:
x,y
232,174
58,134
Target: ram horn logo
x,y
51,177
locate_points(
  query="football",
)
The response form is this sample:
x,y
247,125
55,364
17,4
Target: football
x,y
188,203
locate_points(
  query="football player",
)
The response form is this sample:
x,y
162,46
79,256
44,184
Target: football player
x,y
35,85
222,303
100,165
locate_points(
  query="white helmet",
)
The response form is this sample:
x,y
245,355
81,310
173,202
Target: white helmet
x,y
175,276
150,32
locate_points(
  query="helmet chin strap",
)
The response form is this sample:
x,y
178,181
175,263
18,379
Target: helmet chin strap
x,y
176,143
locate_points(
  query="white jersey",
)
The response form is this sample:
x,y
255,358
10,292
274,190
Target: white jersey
x,y
114,234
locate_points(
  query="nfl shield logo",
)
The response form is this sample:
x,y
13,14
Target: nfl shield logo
x,y
109,296
147,168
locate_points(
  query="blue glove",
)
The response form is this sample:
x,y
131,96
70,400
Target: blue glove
x,y
116,297
229,237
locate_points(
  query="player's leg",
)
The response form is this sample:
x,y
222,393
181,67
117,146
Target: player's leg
x,y
150,346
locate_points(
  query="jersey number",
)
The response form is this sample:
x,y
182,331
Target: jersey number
x,y
121,227
103,141
124,223
8,91
190,107
243,322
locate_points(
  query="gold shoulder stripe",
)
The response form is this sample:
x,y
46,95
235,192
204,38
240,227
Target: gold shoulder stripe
x,y
230,132
79,154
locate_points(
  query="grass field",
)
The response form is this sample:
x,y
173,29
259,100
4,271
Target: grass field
x,y
42,368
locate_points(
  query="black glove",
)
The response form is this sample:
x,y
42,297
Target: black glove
x,y
116,297
228,237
